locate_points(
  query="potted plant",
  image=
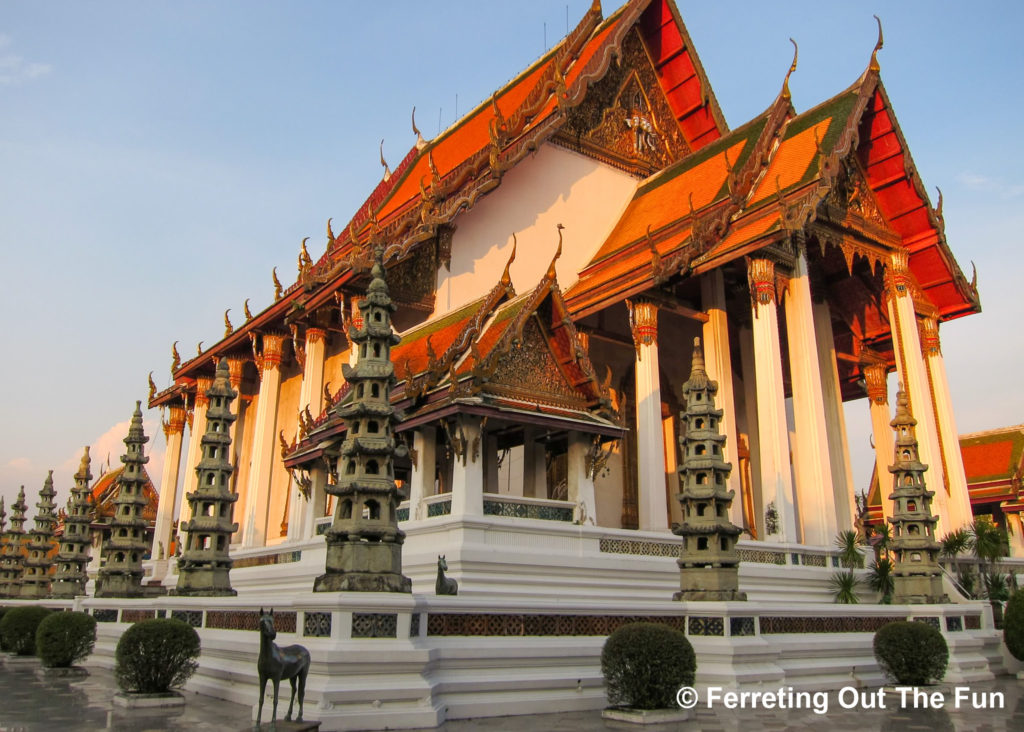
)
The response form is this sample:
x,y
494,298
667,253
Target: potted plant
x,y
152,658
644,666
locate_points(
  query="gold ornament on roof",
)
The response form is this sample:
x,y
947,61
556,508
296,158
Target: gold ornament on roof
x,y
199,348
558,253
878,47
383,162
277,285
175,358
506,278
420,142
245,309
228,328
331,239
792,68
152,387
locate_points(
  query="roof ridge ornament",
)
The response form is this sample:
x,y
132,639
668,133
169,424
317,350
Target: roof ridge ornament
x,y
387,170
277,284
245,309
558,253
873,66
175,358
420,142
506,278
228,328
332,240
792,67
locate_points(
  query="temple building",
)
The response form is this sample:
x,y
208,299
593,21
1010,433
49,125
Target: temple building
x,y
551,258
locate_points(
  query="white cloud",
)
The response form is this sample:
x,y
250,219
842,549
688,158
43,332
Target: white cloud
x,y
1003,189
22,464
15,69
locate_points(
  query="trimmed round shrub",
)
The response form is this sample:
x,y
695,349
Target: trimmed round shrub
x,y
911,653
155,655
644,664
1013,625
19,626
65,638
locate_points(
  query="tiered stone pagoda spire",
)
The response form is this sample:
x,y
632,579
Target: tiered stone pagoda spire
x,y
35,582
708,561
204,566
121,574
917,576
3,540
75,545
364,544
11,562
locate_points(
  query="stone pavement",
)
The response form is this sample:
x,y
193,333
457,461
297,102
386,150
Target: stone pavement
x,y
31,703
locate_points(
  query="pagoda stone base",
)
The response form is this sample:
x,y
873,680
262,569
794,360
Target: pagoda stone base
x,y
204,583
118,586
703,583
918,590
363,566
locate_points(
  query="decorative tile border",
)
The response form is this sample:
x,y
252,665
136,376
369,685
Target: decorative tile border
x,y
705,626
934,622
742,626
494,624
650,548
284,622
954,624
440,508
866,624
972,622
135,616
762,556
374,625
513,509
402,514
316,624
266,559
192,617
104,615
414,625
637,547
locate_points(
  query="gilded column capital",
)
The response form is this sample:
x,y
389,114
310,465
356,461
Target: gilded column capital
x,y
315,335
643,322
273,350
235,369
875,379
356,315
898,280
761,276
929,332
203,384
175,422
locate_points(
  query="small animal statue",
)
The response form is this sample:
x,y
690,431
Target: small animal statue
x,y
444,585
290,662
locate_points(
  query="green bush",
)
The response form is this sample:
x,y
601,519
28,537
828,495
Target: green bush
x,y
911,653
155,655
64,638
19,626
3,646
644,664
1013,625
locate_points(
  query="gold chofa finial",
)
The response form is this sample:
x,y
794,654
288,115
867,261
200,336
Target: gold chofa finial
x,y
387,170
331,240
558,253
199,348
792,68
420,142
245,309
506,278
175,358
228,328
152,387
277,285
878,47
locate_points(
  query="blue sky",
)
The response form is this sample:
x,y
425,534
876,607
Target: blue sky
x,y
160,158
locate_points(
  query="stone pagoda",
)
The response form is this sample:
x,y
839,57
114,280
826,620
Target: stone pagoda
x,y
3,539
75,544
35,582
364,544
708,561
204,564
917,575
11,562
121,573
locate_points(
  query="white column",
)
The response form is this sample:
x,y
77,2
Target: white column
x,y
421,483
264,444
311,396
1015,529
914,375
961,513
718,363
195,451
812,465
843,488
468,475
174,429
652,503
746,339
772,432
876,378
581,479
535,473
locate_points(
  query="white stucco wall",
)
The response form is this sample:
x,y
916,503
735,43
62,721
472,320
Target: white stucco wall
x,y
553,186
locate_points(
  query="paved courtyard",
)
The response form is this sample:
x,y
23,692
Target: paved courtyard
x,y
30,702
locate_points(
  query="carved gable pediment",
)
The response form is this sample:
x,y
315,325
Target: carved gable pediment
x,y
530,370
625,118
851,203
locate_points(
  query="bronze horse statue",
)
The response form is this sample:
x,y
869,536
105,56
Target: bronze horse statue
x,y
444,585
290,662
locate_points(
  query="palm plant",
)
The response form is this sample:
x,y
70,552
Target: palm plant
x,y
844,587
880,579
954,544
881,540
849,542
